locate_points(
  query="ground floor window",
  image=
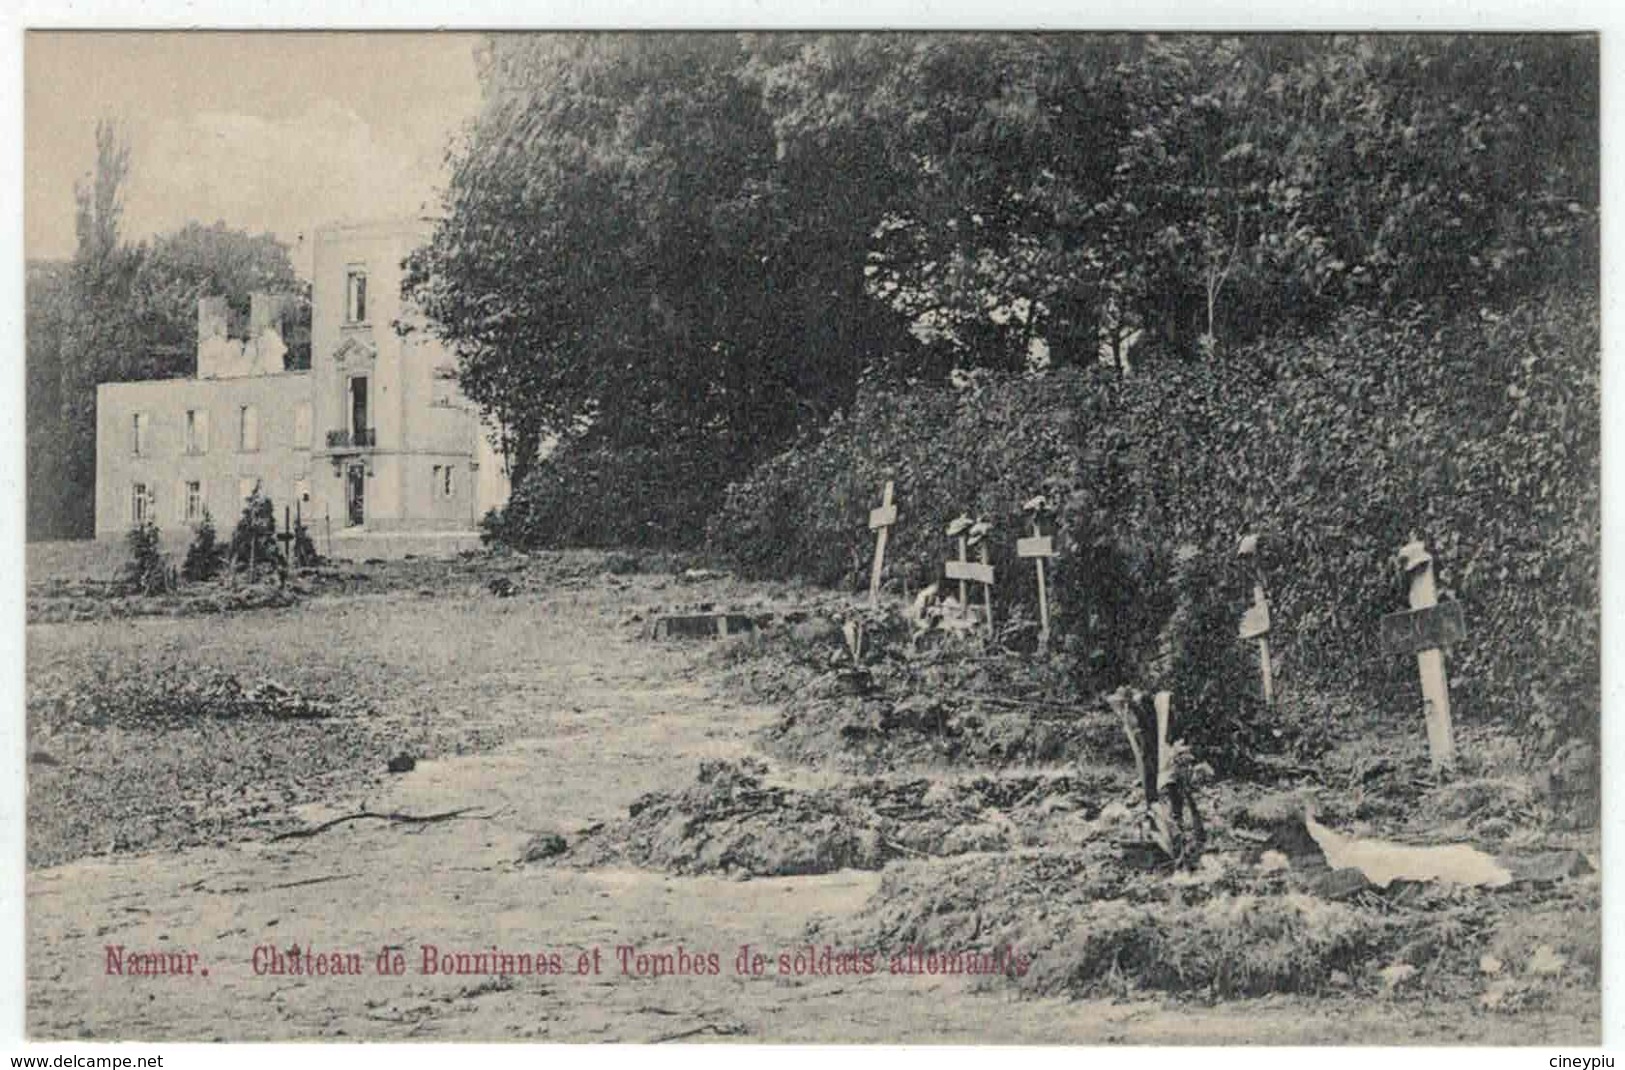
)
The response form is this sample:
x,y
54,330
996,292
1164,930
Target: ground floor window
x,y
194,501
141,504
355,495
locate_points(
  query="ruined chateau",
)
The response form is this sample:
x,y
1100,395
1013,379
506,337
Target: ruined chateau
x,y
375,439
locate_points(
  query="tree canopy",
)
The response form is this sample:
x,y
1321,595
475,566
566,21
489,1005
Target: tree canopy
x,y
711,239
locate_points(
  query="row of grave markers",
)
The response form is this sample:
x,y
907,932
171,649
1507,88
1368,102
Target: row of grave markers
x,y
1426,629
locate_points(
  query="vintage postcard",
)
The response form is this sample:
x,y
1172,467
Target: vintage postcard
x,y
789,537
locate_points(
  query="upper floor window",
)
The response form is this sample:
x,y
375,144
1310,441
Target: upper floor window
x,y
355,295
197,431
139,426
248,428
443,387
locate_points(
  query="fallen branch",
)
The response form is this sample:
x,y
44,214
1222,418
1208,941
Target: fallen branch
x,y
315,880
709,1027
411,819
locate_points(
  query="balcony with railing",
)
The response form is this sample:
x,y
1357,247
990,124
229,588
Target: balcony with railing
x,y
347,439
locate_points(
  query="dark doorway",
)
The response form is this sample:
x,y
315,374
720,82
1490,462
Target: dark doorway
x,y
355,494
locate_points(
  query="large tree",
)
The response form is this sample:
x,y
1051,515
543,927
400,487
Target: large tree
x,y
178,268
88,323
627,256
119,312
711,240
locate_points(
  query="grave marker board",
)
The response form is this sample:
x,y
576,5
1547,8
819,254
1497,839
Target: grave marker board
x,y
1412,631
971,572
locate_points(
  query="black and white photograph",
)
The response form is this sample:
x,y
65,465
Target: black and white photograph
x,y
813,537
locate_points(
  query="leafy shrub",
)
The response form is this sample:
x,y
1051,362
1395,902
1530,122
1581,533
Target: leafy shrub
x,y
1480,435
203,555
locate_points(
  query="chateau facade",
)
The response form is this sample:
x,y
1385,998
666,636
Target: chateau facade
x,y
375,438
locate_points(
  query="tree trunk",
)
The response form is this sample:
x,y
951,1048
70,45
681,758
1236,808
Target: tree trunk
x,y
523,444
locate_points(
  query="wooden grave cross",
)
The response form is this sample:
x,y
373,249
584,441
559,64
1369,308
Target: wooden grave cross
x,y
956,530
1255,623
1039,547
285,537
880,522
979,571
1425,630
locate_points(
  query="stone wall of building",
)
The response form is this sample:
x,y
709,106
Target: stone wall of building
x,y
421,423
222,456
261,352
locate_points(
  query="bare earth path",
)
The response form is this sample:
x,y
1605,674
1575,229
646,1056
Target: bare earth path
x,y
592,718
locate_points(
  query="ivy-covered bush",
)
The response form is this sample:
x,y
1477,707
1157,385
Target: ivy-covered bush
x,y
1479,435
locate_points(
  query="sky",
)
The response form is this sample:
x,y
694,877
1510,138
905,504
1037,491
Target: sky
x,y
278,132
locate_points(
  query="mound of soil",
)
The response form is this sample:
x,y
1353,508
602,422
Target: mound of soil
x,y
1090,925
60,599
168,697
827,725
57,601
127,757
731,820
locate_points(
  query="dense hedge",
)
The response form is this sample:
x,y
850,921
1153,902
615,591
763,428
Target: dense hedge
x,y
1480,435
588,494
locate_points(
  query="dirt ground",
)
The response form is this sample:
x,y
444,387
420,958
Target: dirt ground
x,y
544,712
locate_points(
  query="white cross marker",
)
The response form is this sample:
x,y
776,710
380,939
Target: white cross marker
x,y
880,522
1038,547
